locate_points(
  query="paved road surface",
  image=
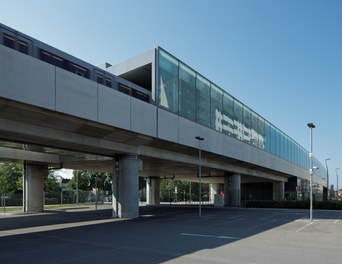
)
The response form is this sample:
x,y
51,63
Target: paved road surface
x,y
166,234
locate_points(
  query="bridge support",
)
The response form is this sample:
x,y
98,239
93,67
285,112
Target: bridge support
x,y
232,190
278,191
34,187
153,190
125,196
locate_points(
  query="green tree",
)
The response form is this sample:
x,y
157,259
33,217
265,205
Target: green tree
x,y
51,184
168,190
80,180
86,180
10,173
104,180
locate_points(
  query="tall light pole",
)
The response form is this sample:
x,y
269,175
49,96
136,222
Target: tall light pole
x,y
337,182
200,174
326,165
311,126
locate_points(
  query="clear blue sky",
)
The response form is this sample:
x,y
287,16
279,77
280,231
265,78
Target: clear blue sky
x,y
282,58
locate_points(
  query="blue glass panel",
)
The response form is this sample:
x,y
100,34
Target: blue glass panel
x,y
216,108
228,115
268,146
246,113
261,133
187,82
202,100
238,120
168,81
277,138
273,140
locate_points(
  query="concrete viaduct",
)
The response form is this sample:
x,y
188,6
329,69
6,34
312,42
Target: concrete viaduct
x,y
50,117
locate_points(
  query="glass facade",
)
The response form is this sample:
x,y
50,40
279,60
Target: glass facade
x,y
185,92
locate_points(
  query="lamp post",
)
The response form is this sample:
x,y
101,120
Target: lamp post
x,y
77,198
199,174
326,165
311,126
337,183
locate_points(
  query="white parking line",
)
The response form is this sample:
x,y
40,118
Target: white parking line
x,y
300,229
210,236
263,224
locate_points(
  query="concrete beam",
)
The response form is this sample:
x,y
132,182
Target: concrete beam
x,y
183,158
59,139
19,154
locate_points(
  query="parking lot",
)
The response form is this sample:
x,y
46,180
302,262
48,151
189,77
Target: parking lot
x,y
172,234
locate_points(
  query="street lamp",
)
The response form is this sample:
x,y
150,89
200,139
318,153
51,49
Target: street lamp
x,y
326,165
311,126
199,174
337,182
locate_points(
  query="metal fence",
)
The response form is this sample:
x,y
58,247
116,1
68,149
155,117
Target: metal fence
x,y
63,197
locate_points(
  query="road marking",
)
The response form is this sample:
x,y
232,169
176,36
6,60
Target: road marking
x,y
227,222
266,223
263,219
36,229
300,229
210,236
337,220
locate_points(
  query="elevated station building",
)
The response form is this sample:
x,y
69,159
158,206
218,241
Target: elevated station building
x,y
142,117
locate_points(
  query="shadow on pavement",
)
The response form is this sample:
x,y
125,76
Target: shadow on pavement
x,y
174,234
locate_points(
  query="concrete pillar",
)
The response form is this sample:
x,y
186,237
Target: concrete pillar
x,y
226,187
278,191
232,190
126,186
34,187
214,189
153,191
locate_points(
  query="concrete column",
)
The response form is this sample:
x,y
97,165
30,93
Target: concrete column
x,y
126,186
153,191
226,187
34,187
278,191
214,189
235,190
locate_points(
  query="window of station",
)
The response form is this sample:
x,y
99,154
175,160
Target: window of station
x,y
261,130
140,95
52,59
79,70
254,129
228,115
105,80
187,82
216,108
64,64
124,88
99,78
168,81
9,41
23,46
109,82
202,100
246,124
238,120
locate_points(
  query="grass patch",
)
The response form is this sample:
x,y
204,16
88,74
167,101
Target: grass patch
x,y
48,206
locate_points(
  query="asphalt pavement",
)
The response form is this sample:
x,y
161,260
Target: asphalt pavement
x,y
172,234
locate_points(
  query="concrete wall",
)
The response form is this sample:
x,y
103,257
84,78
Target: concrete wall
x,y
177,129
31,81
